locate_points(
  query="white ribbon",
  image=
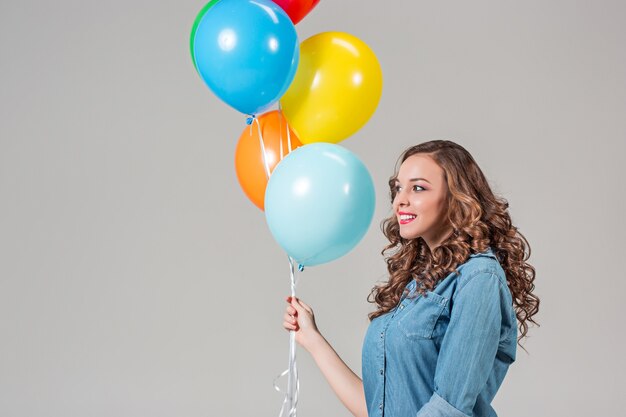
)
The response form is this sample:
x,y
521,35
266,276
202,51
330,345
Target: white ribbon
x,y
262,144
280,114
251,120
290,401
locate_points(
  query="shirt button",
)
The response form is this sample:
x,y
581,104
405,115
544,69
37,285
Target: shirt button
x,y
381,371
401,306
380,406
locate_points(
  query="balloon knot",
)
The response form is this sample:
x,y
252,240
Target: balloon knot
x,y
250,119
300,267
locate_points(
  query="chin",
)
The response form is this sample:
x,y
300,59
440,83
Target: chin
x,y
409,236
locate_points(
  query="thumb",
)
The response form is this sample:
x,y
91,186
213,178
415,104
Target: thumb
x,y
305,306
296,303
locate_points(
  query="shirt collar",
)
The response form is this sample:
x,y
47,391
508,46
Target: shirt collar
x,y
488,253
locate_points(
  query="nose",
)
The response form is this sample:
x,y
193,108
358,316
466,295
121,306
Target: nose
x,y
401,199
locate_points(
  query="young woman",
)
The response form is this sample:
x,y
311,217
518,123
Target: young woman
x,y
445,329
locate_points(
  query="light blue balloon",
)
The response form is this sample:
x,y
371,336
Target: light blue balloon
x,y
247,53
319,202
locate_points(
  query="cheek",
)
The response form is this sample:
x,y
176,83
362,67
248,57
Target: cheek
x,y
425,205
432,210
443,204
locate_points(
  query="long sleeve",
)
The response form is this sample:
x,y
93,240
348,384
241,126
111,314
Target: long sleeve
x,y
468,348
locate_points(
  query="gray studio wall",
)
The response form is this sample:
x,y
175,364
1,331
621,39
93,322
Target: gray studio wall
x,y
136,279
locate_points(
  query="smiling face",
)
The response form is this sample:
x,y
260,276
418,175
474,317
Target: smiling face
x,y
421,200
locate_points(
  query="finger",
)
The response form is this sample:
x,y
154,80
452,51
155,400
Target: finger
x,y
305,305
289,319
296,305
290,307
289,326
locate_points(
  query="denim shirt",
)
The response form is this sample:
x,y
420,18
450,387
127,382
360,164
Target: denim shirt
x,y
444,354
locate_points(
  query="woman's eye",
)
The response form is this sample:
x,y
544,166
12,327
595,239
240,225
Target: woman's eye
x,y
415,188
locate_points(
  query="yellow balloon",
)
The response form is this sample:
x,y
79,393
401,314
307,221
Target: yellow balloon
x,y
336,89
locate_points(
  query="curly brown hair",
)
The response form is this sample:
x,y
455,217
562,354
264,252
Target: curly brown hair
x,y
478,219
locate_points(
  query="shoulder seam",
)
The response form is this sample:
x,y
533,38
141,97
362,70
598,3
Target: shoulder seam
x,y
474,274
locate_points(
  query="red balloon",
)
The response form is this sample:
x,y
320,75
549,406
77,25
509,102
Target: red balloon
x,y
297,9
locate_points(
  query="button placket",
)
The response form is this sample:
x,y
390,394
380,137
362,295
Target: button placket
x,y
382,365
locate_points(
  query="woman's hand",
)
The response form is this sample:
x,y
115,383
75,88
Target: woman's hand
x,y
299,317
346,384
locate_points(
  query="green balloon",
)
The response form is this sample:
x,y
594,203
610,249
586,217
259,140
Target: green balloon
x,y
194,28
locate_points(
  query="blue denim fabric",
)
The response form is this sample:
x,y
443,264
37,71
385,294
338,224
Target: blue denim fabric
x,y
444,354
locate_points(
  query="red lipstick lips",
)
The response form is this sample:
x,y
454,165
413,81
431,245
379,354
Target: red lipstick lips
x,y
403,217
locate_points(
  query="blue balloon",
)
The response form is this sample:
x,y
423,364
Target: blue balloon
x,y
247,53
319,202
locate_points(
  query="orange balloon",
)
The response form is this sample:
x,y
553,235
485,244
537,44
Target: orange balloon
x,y
249,164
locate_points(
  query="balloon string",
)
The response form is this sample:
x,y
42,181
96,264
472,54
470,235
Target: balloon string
x,y
280,130
288,138
251,120
290,401
280,112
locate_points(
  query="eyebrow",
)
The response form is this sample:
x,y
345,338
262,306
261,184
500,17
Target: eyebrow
x,y
414,179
